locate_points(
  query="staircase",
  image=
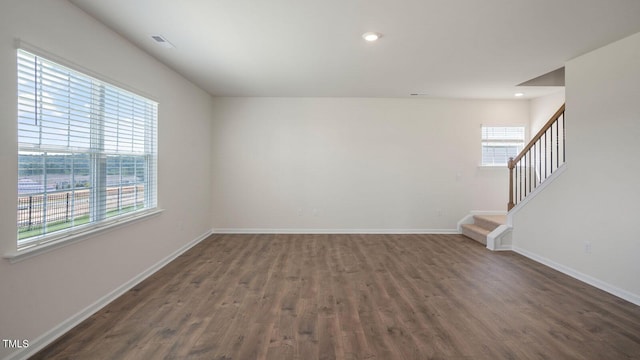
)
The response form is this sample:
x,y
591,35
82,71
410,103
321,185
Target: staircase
x,y
482,226
539,162
543,155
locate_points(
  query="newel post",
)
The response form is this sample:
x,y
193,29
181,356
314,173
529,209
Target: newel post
x,y
510,205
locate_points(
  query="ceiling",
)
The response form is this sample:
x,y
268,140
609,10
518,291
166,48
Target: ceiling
x,y
442,48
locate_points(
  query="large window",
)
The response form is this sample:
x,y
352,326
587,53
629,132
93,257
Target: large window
x,y
86,152
499,143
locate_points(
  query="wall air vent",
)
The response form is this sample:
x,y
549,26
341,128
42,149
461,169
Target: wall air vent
x,y
162,41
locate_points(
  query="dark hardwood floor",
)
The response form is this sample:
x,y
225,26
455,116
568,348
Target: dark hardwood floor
x,y
355,297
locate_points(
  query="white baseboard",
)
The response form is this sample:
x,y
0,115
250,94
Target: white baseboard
x,y
496,239
51,335
489,212
611,289
333,231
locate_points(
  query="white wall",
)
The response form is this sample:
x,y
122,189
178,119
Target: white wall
x,y
543,108
596,200
354,164
39,293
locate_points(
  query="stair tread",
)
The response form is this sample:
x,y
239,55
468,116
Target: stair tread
x,y
477,229
482,226
494,219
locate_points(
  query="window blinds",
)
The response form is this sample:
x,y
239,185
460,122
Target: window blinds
x,y
499,143
87,150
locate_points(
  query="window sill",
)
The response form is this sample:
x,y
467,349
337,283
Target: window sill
x,y
56,243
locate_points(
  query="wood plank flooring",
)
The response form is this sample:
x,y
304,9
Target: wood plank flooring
x,y
355,297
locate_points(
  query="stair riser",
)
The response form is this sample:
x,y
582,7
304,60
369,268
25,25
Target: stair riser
x,y
482,239
486,224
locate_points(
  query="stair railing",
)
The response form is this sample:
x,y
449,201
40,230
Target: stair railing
x,y
543,155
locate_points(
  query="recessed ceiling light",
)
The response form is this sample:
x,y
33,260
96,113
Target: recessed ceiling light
x,y
371,36
518,94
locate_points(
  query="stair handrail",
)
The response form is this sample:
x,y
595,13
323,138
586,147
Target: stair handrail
x,y
514,161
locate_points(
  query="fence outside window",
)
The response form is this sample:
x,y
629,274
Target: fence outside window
x,y
63,209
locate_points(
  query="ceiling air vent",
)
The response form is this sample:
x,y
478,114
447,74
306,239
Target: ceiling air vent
x,y
160,40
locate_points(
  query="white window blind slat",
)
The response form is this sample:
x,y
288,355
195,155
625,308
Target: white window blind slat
x,y
87,151
499,143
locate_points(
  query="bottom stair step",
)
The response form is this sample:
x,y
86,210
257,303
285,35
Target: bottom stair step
x,y
475,232
489,222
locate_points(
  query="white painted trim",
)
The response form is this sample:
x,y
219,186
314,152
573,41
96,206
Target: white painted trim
x,y
535,193
611,289
494,242
77,236
333,231
489,212
539,189
494,167
51,335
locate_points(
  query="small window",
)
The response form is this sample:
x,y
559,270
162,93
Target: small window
x,y
499,143
86,152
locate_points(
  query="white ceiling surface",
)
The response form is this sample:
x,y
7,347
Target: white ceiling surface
x,y
444,48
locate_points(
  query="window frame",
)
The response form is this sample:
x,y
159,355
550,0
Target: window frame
x,y
28,246
505,140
